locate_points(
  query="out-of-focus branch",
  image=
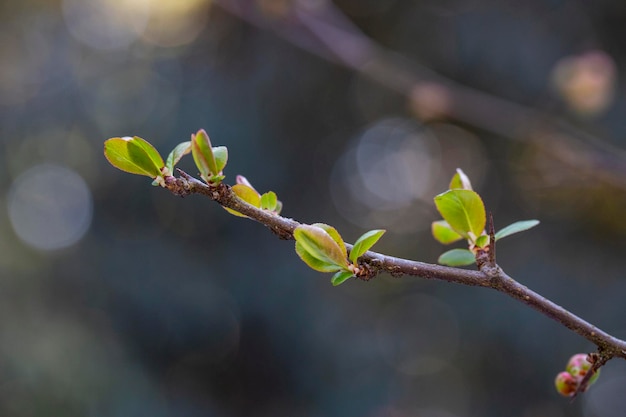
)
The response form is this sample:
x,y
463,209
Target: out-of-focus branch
x,y
320,28
489,275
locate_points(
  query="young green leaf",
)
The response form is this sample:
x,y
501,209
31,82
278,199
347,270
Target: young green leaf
x,y
247,194
460,181
279,207
203,155
482,241
320,245
269,201
332,232
216,179
221,157
364,243
443,232
516,228
464,211
340,277
315,263
133,155
175,156
457,257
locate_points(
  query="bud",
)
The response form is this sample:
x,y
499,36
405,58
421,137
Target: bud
x,y
566,384
203,155
578,365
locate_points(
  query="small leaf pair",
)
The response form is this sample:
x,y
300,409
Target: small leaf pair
x,y
245,191
362,245
209,160
138,156
322,248
464,217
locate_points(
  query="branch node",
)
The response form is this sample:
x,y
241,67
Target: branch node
x,y
395,271
366,271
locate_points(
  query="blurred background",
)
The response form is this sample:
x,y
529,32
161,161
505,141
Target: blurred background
x,y
119,299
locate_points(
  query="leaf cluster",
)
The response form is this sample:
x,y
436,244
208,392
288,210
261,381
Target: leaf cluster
x,y
138,156
322,248
464,217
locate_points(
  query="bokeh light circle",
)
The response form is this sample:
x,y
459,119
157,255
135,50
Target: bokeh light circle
x,y
387,175
50,207
175,23
106,24
394,159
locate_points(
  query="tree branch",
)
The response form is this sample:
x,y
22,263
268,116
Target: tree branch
x,y
489,275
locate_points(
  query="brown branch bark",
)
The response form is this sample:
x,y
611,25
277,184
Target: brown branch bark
x,y
490,275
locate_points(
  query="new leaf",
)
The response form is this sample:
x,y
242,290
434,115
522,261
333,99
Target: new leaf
x,y
332,232
464,211
203,155
443,232
516,228
457,257
134,155
364,243
269,201
460,181
175,156
340,277
315,263
247,194
318,244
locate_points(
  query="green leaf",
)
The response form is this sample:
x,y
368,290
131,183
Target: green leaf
x,y
279,207
320,245
460,181
203,155
221,157
175,156
340,277
516,228
216,179
464,211
482,241
335,235
247,194
443,232
315,263
364,243
457,257
133,155
269,201
147,147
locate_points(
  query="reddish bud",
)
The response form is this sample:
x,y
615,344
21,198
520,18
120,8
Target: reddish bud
x,y
566,384
578,365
